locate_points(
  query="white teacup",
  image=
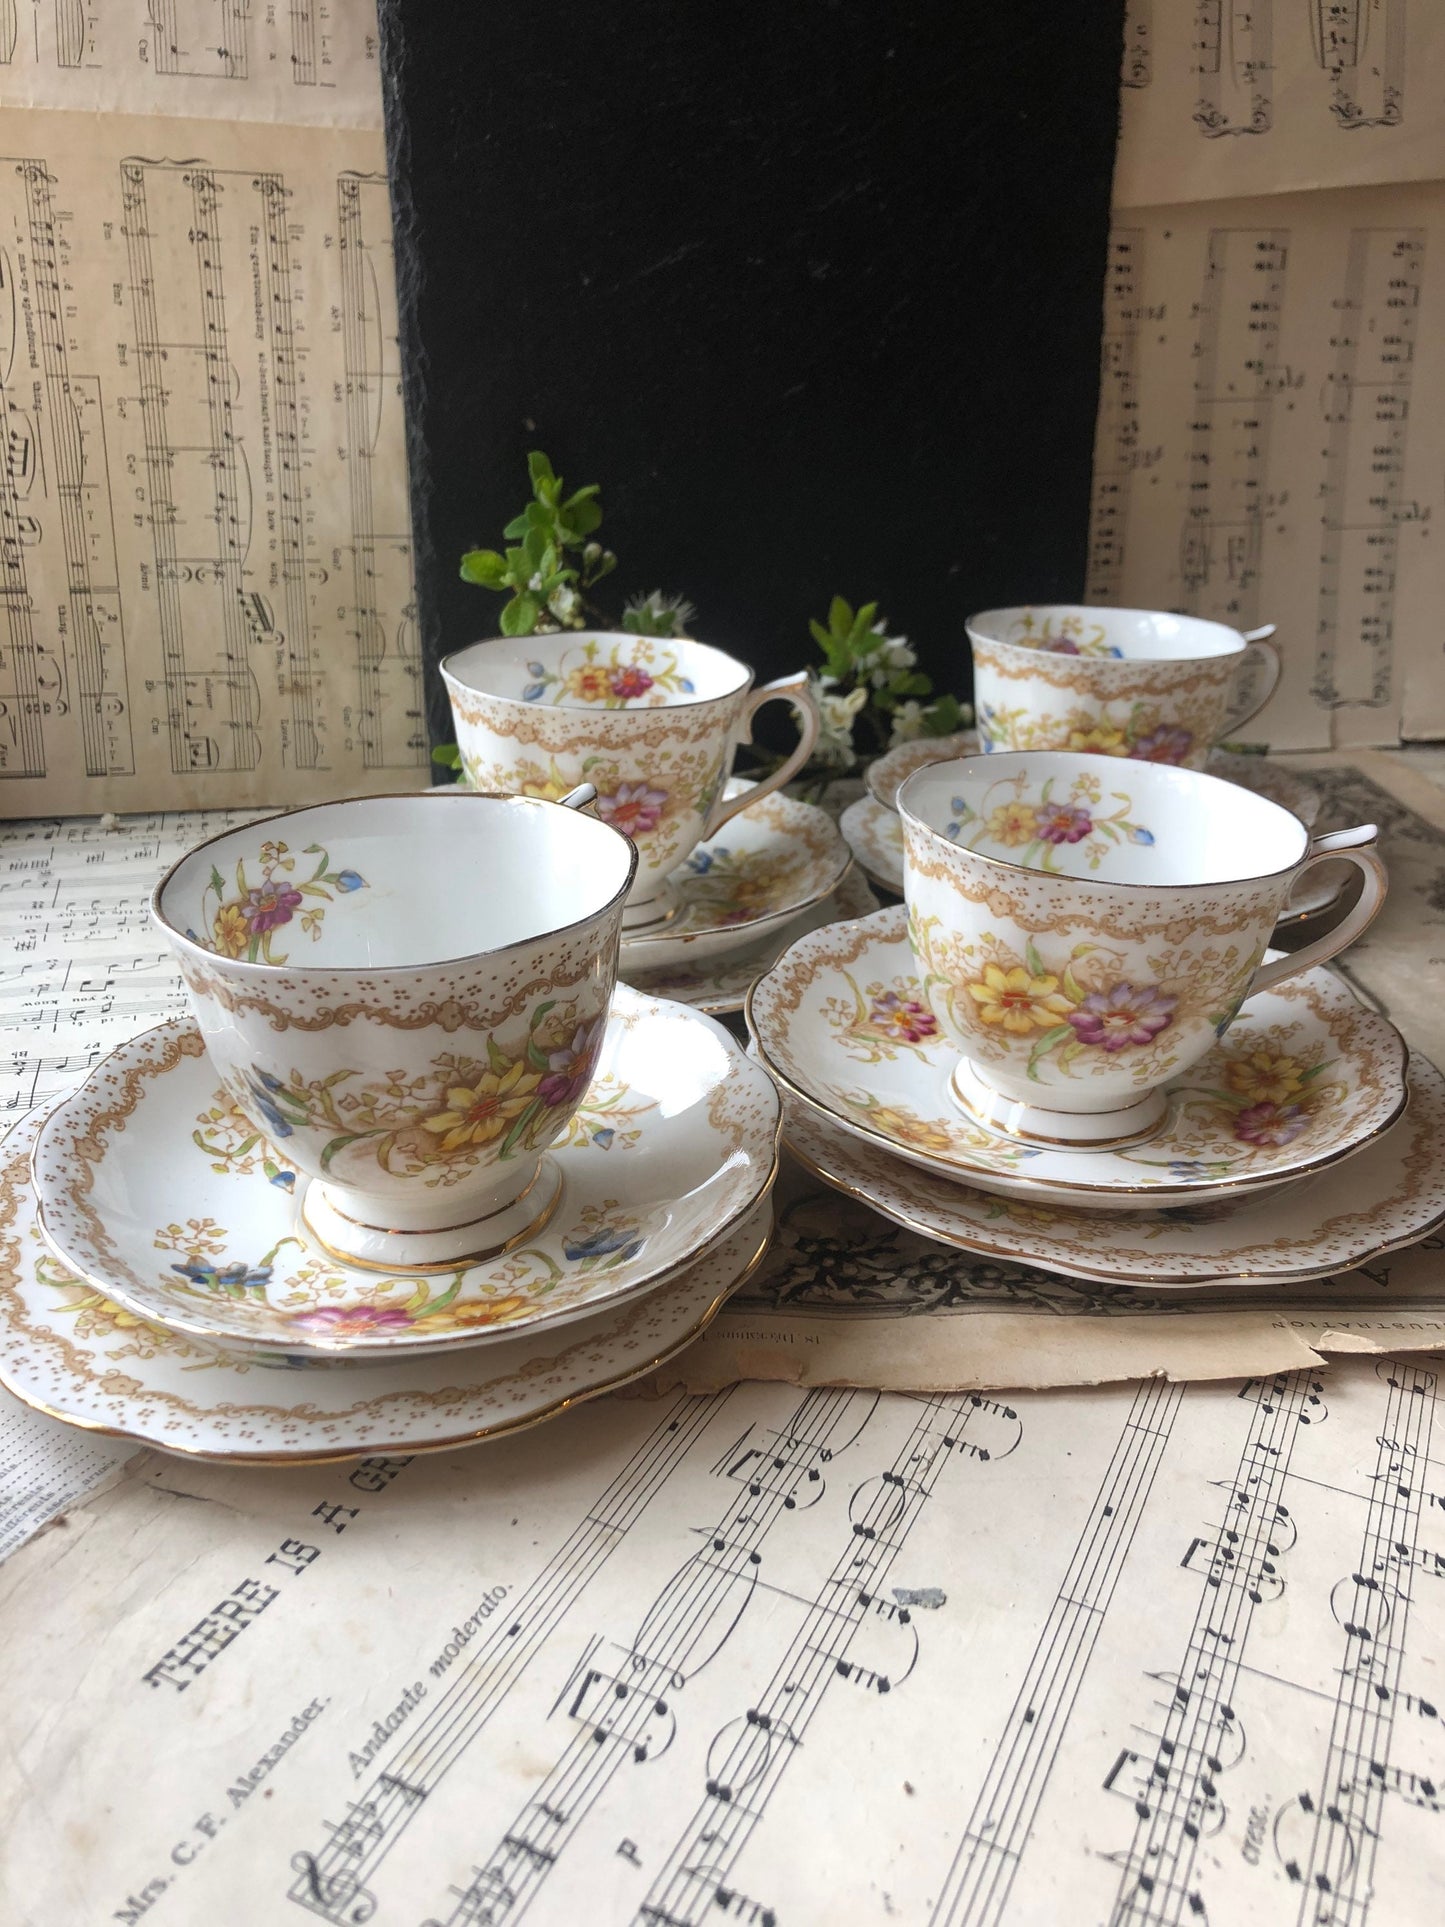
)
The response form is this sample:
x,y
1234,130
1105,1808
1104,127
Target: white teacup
x,y
652,723
1086,929
1115,682
406,995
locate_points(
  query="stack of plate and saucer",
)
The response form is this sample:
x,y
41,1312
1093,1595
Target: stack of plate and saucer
x,y
1074,921
413,1134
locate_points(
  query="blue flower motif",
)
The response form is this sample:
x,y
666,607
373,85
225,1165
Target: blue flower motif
x,y
238,1275
1188,1168
538,670
701,861
348,880
602,1243
685,685
533,691
261,1086
1136,835
603,1138
284,1180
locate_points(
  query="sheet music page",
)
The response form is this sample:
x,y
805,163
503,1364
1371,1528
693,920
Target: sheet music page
x,y
1140,1656
205,552
1270,439
1246,97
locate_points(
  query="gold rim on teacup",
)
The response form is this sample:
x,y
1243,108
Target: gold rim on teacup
x,y
654,722
1086,928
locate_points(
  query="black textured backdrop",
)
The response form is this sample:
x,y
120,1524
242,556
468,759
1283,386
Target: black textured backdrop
x,y
811,287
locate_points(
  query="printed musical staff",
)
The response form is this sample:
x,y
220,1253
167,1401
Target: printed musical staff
x,y
1118,441
390,719
999,1829
1233,66
1176,1795
203,38
1235,382
1360,44
1138,66
1366,405
70,32
621,1706
333,1881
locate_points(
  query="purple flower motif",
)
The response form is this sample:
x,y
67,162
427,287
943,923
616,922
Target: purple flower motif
x,y
1057,823
1167,744
1126,1014
1061,646
1271,1124
269,906
354,1319
633,808
569,1070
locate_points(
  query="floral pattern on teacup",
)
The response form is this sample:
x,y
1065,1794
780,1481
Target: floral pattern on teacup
x,y
640,674
1088,1011
1138,731
1069,636
1034,828
875,1022
248,913
461,1111
721,886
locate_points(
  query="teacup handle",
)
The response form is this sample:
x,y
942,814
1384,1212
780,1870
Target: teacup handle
x,y
581,798
1353,846
1262,651
796,690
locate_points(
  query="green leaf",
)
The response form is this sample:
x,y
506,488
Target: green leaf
x,y
943,717
496,1060
484,567
517,527
519,1129
1046,1043
447,756
582,519
539,469
337,1144
218,882
1034,961
840,617
519,616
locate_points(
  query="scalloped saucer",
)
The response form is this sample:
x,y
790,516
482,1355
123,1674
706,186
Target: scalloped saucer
x,y
774,860
1304,1077
67,1350
719,985
155,1189
1392,1194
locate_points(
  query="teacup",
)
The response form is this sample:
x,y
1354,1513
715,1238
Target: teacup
x,y
1085,930
406,995
652,723
1117,682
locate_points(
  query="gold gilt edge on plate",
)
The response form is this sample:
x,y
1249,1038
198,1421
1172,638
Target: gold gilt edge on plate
x,y
15,1183
1414,1166
189,1043
793,983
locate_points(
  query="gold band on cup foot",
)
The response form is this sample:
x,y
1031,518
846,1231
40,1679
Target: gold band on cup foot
x,y
1024,1123
474,1241
644,918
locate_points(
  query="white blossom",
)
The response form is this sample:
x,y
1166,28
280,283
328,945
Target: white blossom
x,y
908,722
836,715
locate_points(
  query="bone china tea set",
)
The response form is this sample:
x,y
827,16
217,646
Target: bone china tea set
x,y
416,1129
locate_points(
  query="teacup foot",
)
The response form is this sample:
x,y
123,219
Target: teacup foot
x,y
653,913
1013,1117
373,1245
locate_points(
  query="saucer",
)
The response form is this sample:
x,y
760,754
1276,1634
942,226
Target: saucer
x,y
68,1351
719,985
874,834
774,860
156,1190
886,774
1392,1194
1304,1077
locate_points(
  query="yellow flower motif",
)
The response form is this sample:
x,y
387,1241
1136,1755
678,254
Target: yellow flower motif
x,y
590,684
549,788
484,1111
1013,823
1101,739
494,1311
1264,1078
232,931
904,1128
1017,1001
